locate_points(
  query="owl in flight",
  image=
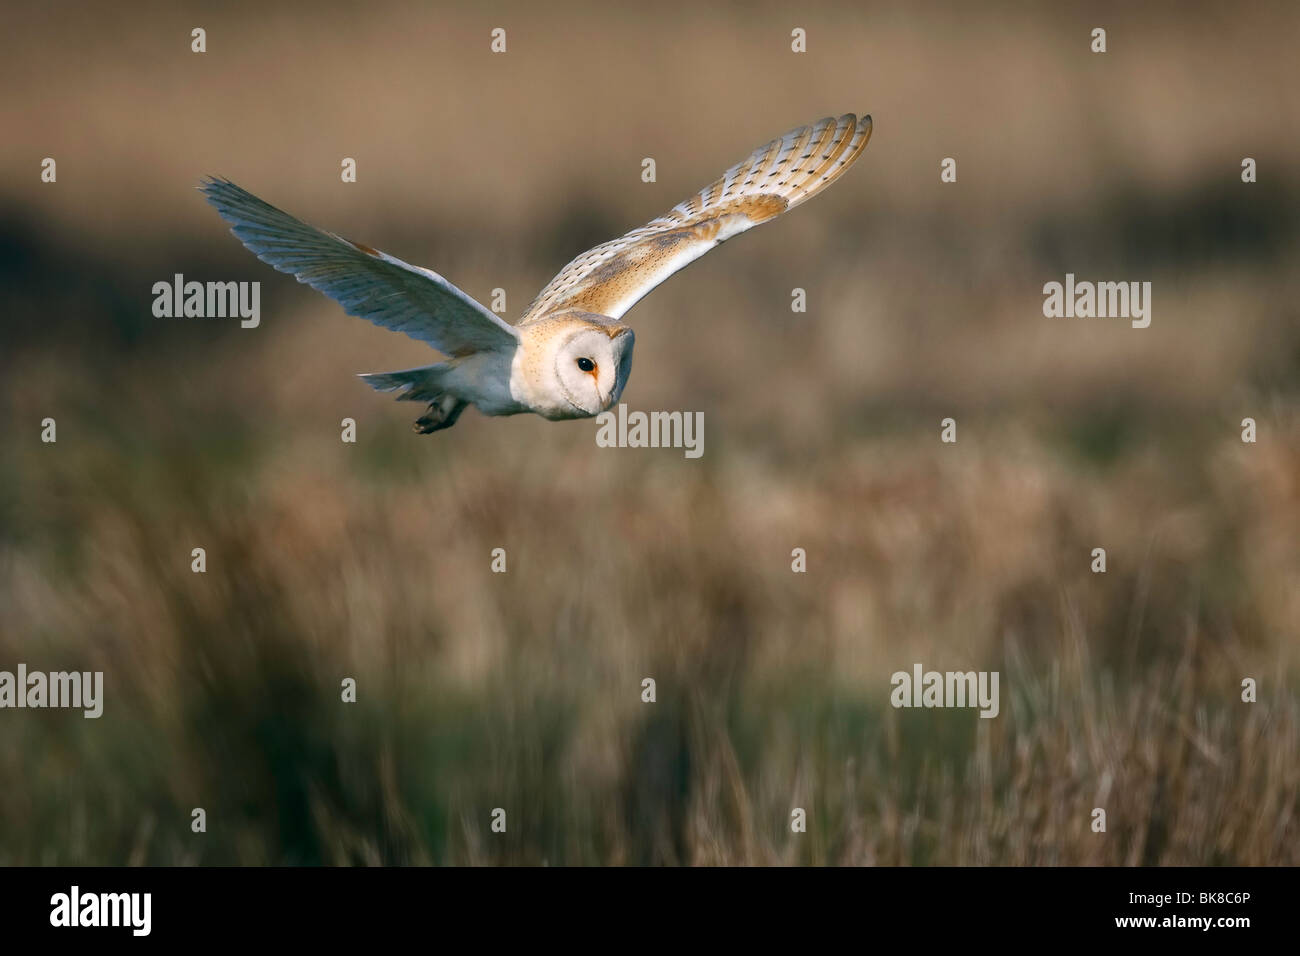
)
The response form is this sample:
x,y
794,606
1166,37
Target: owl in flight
x,y
570,355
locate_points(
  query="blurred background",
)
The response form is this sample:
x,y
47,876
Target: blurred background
x,y
522,690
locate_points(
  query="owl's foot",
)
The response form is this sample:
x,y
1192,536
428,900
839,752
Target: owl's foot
x,y
442,414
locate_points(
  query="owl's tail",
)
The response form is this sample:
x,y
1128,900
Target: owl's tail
x,y
419,384
422,385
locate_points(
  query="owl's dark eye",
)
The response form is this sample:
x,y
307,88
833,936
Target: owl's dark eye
x,y
586,364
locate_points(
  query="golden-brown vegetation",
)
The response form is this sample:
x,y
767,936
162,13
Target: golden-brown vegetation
x,y
522,691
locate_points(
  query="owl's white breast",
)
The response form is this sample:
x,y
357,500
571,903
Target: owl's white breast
x,y
484,378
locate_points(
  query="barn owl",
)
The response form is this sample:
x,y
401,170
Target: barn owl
x,y
570,354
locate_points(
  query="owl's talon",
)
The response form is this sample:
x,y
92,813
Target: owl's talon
x,y
442,414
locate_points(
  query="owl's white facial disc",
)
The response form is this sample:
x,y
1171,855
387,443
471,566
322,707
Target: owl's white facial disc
x,y
592,367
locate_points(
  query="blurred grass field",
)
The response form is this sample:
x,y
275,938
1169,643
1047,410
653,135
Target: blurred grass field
x,y
522,691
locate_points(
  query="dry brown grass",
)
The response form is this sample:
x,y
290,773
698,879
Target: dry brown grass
x,y
522,690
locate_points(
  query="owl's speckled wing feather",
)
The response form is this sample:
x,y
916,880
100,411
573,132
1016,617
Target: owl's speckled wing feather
x,y
612,277
366,282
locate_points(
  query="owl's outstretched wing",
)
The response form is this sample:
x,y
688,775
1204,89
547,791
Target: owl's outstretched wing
x,y
612,277
366,282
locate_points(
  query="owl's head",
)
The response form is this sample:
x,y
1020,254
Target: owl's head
x,y
592,362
